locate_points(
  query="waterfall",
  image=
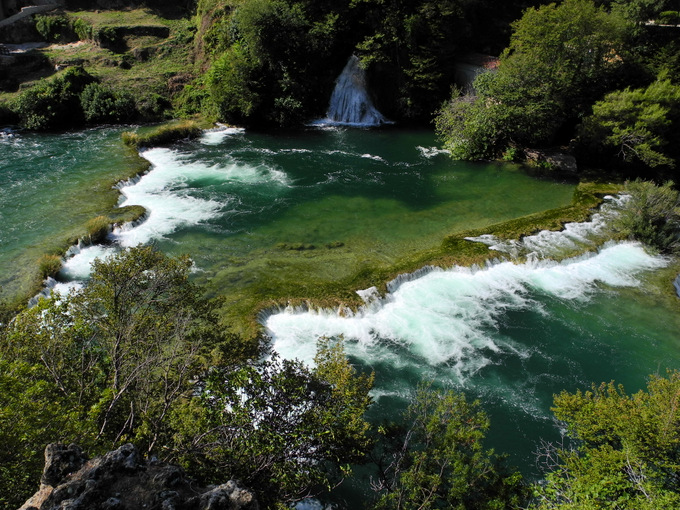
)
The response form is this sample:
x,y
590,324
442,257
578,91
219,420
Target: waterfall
x,y
350,102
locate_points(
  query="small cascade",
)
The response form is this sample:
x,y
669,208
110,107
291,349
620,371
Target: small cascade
x,y
350,103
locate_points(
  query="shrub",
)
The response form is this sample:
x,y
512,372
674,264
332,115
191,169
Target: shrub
x,y
83,29
101,104
652,215
56,103
163,135
97,229
49,265
55,28
107,37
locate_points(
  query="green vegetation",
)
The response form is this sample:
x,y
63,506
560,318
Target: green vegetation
x,y
652,215
163,135
438,460
638,126
560,58
592,75
103,105
122,360
278,425
97,229
625,449
49,265
55,103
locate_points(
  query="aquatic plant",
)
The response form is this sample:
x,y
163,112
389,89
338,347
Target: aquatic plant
x,y
163,135
49,265
97,229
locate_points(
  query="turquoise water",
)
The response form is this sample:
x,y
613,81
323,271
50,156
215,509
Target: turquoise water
x,y
50,186
317,206
312,207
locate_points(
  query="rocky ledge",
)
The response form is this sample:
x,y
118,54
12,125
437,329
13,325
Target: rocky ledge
x,y
123,480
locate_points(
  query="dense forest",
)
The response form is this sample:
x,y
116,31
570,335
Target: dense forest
x,y
595,78
140,355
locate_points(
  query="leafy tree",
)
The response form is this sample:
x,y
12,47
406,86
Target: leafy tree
x,y
636,125
101,104
651,215
56,103
560,59
106,364
283,429
440,462
410,50
628,453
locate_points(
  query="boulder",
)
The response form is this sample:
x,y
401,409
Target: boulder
x,y
124,480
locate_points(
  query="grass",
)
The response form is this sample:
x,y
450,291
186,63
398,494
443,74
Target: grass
x,y
164,134
146,66
49,265
97,229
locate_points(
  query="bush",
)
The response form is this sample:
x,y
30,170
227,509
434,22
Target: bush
x,y
97,229
163,135
49,265
637,126
83,29
101,104
56,103
652,215
55,28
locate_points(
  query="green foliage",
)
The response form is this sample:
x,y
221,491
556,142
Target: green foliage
x,y
101,104
628,453
412,46
56,103
163,135
83,30
31,415
651,215
560,58
104,365
55,29
635,125
281,428
228,81
97,229
440,462
49,265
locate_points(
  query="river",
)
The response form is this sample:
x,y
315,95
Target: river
x,y
262,211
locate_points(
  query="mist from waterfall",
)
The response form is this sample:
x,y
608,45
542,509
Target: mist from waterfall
x,y
350,102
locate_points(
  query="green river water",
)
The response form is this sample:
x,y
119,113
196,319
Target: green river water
x,y
261,211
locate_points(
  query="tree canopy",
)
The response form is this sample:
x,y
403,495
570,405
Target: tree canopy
x,y
626,452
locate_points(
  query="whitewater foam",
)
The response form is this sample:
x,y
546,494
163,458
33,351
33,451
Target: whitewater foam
x,y
217,135
552,243
450,317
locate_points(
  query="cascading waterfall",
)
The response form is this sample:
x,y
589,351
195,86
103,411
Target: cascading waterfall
x,y
350,102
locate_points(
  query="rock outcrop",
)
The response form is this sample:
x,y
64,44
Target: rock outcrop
x,y
124,480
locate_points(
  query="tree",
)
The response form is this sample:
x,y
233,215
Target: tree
x,y
628,449
281,428
560,59
55,103
635,126
440,462
101,104
106,364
